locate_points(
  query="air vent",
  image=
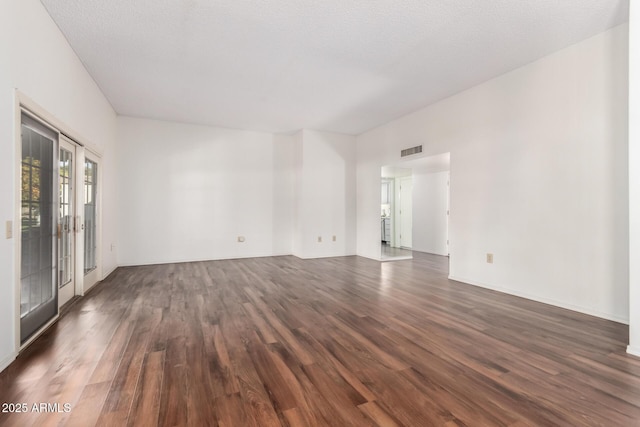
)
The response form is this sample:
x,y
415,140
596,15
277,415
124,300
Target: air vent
x,y
409,151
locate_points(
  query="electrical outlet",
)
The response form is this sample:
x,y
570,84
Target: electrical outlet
x,y
334,238
9,229
490,258
240,239
319,239
113,246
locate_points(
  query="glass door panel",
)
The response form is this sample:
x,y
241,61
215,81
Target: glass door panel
x,y
66,222
38,266
90,216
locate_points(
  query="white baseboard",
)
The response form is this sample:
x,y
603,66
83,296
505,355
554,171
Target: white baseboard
x,y
4,363
324,256
104,276
572,307
635,351
183,260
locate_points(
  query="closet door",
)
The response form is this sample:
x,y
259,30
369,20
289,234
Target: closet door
x,y
38,237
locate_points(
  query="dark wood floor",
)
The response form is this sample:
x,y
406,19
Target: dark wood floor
x,y
340,341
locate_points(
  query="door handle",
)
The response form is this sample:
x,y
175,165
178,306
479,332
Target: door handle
x,y
78,225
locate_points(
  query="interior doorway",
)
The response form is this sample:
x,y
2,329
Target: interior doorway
x,y
415,207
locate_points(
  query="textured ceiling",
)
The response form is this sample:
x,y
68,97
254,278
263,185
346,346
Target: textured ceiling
x,y
333,65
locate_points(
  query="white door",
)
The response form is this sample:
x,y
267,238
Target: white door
x,y
91,220
67,221
406,211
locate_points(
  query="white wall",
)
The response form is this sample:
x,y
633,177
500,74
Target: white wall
x,y
187,192
36,59
430,204
538,177
325,195
297,140
284,187
634,178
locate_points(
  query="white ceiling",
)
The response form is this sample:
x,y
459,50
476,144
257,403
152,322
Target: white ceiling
x,y
334,65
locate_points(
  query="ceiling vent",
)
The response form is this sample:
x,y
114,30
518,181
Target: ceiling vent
x,y
409,151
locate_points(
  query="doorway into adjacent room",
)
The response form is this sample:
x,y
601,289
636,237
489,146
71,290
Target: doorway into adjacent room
x,y
414,208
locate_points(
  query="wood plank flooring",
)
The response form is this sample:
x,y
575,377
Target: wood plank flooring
x,y
330,342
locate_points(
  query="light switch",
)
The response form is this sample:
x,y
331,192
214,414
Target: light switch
x,y
9,229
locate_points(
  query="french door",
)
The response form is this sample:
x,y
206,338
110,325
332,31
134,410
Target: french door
x,y
67,221
38,255
59,212
91,220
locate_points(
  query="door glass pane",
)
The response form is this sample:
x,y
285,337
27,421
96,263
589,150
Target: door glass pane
x,y
90,214
65,221
38,255
35,292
